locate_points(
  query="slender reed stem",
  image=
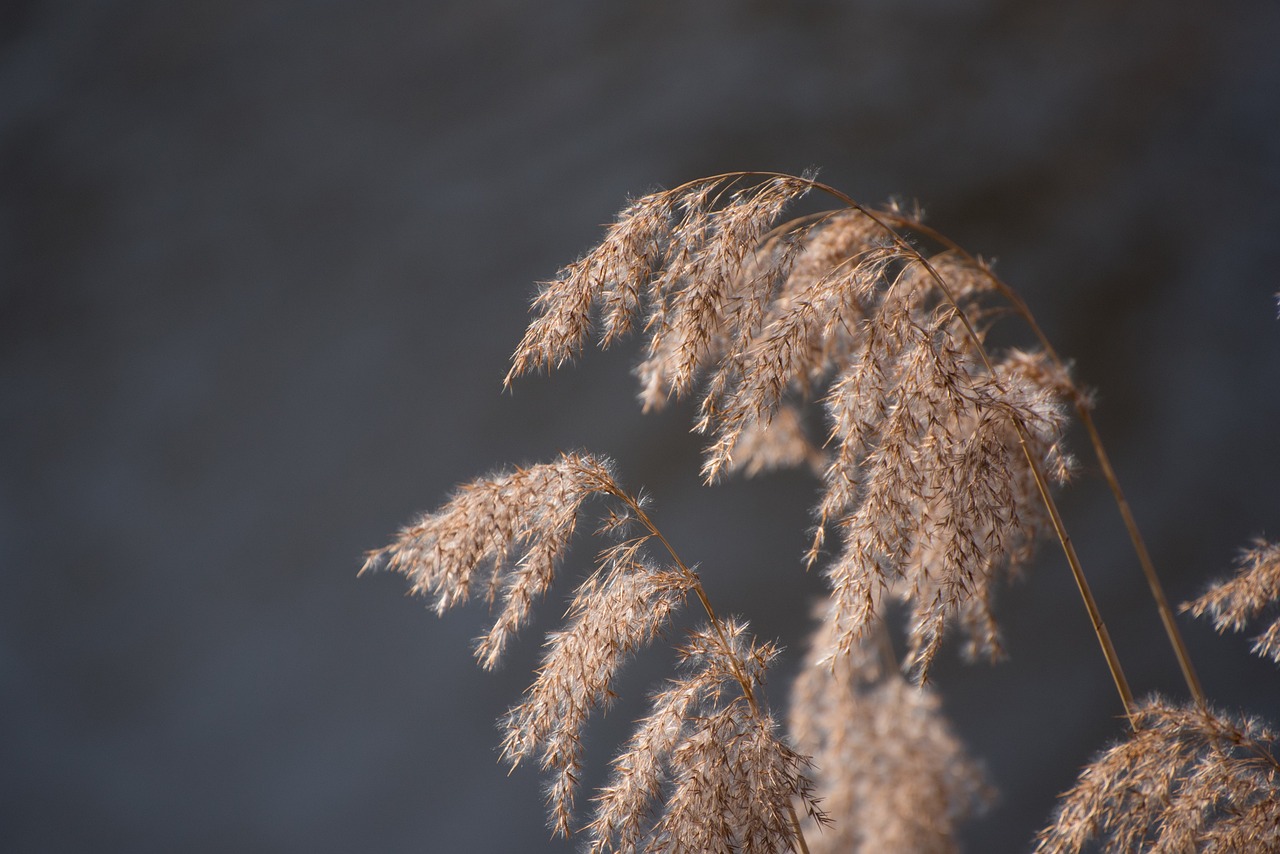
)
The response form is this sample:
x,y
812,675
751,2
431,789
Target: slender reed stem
x,y
1144,559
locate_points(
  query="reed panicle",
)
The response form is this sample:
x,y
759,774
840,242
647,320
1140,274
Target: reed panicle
x,y
1187,779
710,728
937,467
889,766
924,477
1254,589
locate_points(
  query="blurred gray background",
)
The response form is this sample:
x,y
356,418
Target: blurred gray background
x,y
261,266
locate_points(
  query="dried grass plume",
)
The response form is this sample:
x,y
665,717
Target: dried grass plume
x,y
853,343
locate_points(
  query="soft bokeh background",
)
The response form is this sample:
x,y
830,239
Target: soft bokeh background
x,y
262,263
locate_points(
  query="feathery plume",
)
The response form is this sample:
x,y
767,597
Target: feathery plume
x,y
707,762
936,475
516,525
1186,779
611,275
890,773
933,492
702,298
675,254
615,612
1235,602
926,480
783,443
708,728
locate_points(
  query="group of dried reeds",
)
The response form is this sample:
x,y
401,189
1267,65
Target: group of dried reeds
x,y
938,463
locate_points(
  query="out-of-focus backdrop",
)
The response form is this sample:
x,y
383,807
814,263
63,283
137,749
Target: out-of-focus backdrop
x,y
261,266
